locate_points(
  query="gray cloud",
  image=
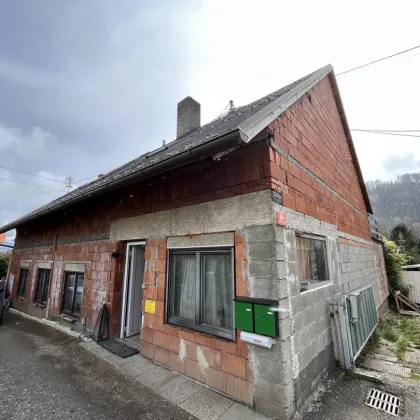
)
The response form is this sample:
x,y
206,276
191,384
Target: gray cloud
x,y
401,164
86,87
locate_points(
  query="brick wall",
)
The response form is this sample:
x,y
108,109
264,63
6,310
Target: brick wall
x,y
237,173
219,363
315,171
102,279
35,255
83,229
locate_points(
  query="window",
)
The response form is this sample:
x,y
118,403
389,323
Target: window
x,y
73,293
312,257
200,290
42,284
23,278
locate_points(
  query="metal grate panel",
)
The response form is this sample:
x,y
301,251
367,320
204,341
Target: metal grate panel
x,y
360,331
384,401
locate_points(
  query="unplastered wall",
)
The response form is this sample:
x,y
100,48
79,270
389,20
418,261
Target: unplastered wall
x,y
351,264
29,258
221,364
102,278
358,269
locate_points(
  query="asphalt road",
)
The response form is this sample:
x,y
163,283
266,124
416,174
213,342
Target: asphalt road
x,y
46,375
345,400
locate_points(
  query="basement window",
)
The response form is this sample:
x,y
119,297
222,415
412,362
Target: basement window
x,y
23,279
200,290
42,284
312,260
73,293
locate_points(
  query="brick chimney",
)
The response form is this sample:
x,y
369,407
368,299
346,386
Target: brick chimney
x,y
188,118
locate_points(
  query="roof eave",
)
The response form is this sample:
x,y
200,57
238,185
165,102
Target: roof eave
x,y
261,119
347,131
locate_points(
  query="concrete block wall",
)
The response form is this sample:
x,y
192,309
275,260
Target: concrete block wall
x,y
351,265
272,369
358,267
312,344
378,249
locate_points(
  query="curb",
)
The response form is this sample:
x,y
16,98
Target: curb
x,y
51,324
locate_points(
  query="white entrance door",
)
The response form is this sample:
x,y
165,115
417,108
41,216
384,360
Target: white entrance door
x,y
133,291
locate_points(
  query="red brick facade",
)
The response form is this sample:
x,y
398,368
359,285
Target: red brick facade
x,y
311,132
228,365
102,279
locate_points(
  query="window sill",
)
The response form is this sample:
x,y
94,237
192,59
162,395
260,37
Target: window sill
x,y
69,318
316,286
226,335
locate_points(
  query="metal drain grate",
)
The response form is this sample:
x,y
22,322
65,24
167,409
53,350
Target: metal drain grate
x,y
384,401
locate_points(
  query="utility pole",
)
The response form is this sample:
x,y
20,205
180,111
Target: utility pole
x,y
69,183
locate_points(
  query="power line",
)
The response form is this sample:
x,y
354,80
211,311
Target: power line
x,y
84,179
96,175
32,185
377,61
389,131
28,173
386,133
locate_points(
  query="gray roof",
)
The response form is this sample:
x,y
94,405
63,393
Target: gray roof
x,y
246,120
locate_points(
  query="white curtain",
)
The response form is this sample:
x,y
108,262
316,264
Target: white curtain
x,y
218,290
184,305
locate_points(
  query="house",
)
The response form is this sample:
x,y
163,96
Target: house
x,y
266,202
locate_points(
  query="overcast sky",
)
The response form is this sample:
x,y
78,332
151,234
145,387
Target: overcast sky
x,y
87,85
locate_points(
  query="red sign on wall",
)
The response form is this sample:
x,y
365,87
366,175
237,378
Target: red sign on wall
x,y
281,219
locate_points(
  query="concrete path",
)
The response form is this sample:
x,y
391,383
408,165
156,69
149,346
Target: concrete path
x,y
189,395
45,374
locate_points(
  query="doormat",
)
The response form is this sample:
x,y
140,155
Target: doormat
x,y
118,348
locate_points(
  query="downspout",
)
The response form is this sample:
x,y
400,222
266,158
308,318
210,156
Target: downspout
x,y
47,313
8,273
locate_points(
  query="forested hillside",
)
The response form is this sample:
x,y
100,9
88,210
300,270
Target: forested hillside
x,y
396,202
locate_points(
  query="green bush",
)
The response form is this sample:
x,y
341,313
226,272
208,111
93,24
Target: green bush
x,y
393,263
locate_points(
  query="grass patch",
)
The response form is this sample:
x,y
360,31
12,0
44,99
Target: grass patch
x,y
415,376
401,347
403,332
389,334
373,342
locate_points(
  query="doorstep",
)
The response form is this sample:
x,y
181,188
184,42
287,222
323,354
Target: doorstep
x,y
191,396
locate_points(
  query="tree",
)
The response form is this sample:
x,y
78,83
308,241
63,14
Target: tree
x,y
4,263
408,244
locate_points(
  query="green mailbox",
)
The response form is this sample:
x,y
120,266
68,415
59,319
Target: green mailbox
x,y
244,316
256,315
265,320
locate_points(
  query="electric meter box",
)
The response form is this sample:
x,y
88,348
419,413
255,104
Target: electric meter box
x,y
257,316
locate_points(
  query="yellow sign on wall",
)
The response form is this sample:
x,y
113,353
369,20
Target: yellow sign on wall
x,y
150,307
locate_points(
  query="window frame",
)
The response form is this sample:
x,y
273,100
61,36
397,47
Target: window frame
x,y
46,280
320,283
22,293
71,313
198,325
